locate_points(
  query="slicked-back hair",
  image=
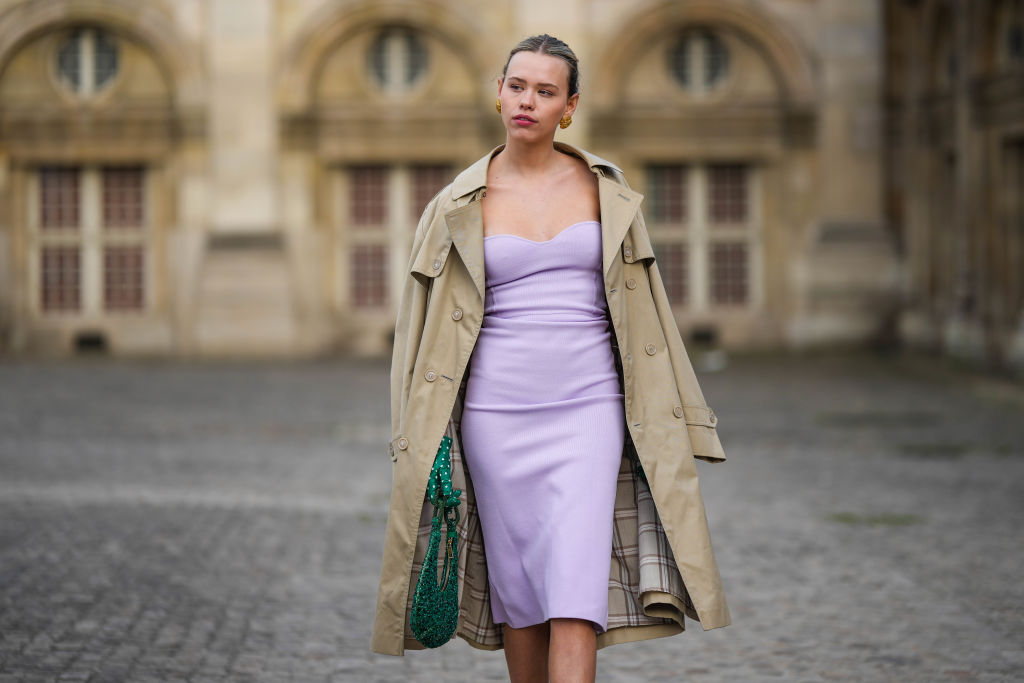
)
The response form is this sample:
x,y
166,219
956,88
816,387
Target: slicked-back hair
x,y
549,45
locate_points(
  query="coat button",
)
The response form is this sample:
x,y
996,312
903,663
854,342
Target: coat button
x,y
628,252
711,416
678,411
430,375
650,349
403,443
437,264
630,283
457,314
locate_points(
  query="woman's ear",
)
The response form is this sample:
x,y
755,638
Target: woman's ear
x,y
570,106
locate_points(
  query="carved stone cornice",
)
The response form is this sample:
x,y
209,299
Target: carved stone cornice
x,y
754,130
126,131
360,132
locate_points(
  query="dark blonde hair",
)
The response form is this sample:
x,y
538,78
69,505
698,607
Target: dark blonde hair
x,y
549,45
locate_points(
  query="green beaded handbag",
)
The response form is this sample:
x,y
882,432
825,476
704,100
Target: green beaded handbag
x,y
435,604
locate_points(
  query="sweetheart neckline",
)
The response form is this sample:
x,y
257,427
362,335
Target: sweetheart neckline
x,y
557,235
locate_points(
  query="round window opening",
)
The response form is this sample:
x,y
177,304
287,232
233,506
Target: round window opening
x,y
698,60
87,60
398,59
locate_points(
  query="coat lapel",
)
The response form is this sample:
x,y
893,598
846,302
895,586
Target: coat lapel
x,y
465,225
619,205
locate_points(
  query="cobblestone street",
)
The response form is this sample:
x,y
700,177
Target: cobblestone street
x,y
162,521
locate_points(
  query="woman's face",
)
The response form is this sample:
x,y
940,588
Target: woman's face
x,y
534,95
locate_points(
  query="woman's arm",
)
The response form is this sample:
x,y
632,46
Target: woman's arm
x,y
412,309
701,422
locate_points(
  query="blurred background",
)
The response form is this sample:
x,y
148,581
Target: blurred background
x,y
209,178
206,210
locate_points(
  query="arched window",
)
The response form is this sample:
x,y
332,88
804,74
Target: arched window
x,y
698,60
87,60
398,59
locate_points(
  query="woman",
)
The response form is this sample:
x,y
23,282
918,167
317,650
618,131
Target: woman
x,y
535,331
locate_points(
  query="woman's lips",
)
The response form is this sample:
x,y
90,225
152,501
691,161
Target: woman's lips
x,y
524,120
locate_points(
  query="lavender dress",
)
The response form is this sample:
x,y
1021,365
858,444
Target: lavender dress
x,y
543,427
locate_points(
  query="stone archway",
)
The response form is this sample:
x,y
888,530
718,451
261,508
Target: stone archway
x,y
340,130
793,64
748,130
177,57
129,136
336,23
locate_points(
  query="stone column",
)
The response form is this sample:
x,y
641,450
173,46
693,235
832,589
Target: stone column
x,y
246,292
916,323
852,271
243,129
851,112
963,335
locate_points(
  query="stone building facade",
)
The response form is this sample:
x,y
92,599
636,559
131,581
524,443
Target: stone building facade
x,y
205,177
954,154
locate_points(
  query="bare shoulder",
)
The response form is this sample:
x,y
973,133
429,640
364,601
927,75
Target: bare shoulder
x,y
578,166
579,173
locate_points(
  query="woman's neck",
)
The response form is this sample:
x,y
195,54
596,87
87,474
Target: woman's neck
x,y
528,160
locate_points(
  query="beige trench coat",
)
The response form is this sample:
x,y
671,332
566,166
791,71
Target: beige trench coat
x,y
662,564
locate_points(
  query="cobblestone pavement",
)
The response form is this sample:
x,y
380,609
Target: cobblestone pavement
x,y
224,522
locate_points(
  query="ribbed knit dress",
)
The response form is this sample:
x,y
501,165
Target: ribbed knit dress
x,y
543,427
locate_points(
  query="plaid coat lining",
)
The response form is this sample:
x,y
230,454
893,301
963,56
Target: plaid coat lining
x,y
646,594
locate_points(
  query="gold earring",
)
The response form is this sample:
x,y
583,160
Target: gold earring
x,y
565,122
497,105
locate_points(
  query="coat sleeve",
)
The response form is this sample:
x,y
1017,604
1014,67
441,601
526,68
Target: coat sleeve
x,y
409,322
701,422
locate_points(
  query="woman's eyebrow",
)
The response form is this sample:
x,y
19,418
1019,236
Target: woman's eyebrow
x,y
523,80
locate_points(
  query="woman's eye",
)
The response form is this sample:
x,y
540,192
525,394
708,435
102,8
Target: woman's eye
x,y
545,92
515,87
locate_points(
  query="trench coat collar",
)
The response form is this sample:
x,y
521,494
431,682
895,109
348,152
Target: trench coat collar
x,y
618,203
